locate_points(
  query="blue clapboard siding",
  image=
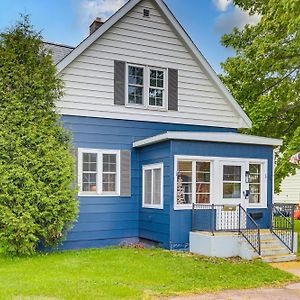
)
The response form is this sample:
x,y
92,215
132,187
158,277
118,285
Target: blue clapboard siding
x,y
105,221
181,220
154,224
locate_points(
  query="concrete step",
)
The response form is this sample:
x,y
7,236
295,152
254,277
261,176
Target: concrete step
x,y
267,236
279,258
274,250
274,242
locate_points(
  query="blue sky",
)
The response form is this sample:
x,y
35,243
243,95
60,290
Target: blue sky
x,y
67,21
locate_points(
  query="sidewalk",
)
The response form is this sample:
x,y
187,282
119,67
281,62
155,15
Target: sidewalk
x,y
289,292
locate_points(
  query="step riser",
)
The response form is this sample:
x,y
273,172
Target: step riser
x,y
279,259
267,237
273,243
274,252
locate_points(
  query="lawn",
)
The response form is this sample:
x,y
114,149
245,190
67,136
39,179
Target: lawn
x,y
127,273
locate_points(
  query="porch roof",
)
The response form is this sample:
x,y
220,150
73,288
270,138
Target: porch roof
x,y
217,137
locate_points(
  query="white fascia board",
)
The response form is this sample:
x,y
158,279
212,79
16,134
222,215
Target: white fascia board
x,y
227,137
98,33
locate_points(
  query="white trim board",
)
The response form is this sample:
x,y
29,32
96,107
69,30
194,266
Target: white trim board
x,y
245,121
218,137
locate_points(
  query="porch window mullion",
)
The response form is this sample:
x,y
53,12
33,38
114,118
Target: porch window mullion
x,y
194,182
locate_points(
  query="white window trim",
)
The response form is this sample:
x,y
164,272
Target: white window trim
x,y
146,87
99,192
151,167
215,184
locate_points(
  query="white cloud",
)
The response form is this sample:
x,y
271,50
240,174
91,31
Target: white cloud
x,y
235,18
90,9
222,5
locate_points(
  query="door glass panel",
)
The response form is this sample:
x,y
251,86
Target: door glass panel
x,y
231,190
232,173
232,182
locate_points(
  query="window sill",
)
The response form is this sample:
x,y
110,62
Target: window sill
x,y
141,106
153,207
97,195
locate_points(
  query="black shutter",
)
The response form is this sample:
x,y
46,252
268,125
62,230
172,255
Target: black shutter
x,y
119,82
125,176
173,89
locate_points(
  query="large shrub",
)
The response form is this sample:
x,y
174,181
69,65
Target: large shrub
x,y
37,197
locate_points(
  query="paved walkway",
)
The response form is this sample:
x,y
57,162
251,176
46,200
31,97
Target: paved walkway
x,y
289,292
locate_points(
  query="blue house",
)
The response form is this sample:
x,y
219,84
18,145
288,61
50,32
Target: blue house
x,y
156,138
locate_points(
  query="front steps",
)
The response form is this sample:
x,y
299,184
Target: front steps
x,y
273,250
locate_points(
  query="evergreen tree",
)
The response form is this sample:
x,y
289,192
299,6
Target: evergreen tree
x,y
37,197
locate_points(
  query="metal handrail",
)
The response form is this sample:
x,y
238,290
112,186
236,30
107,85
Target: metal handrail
x,y
214,218
251,235
284,231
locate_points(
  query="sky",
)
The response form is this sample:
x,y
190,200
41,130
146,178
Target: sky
x,y
67,21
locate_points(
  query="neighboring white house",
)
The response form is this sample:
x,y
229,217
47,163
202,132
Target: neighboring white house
x,y
290,190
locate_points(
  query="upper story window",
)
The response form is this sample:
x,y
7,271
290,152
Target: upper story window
x,y
146,86
98,172
135,85
156,90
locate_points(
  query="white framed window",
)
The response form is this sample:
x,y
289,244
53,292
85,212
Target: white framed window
x,y
98,172
146,87
153,186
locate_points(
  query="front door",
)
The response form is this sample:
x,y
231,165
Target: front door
x,y
232,193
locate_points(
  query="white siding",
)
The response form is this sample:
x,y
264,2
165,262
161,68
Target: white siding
x,y
89,79
290,190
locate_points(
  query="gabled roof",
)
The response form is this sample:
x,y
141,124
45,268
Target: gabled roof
x,y
245,122
217,137
59,51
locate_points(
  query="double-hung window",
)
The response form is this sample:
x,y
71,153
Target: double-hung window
x,y
153,186
146,86
98,172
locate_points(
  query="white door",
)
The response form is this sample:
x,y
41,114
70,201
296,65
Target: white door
x,y
232,193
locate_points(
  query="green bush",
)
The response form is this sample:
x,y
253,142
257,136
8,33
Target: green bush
x,y
38,201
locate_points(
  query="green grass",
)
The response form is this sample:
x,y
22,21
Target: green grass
x,y
297,229
127,273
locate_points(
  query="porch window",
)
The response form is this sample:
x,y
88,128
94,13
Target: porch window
x,y
98,172
153,186
193,182
202,182
255,183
